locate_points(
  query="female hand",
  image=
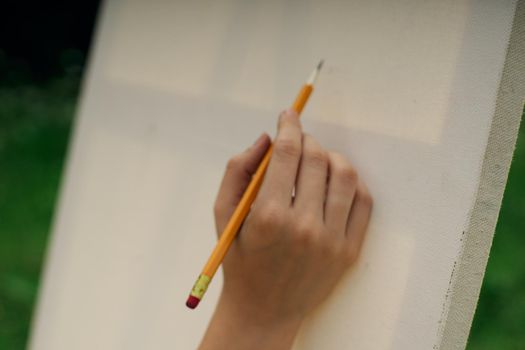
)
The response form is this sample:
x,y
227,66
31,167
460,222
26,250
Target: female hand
x,y
291,250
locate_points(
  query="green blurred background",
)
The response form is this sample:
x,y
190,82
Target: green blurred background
x,y
42,56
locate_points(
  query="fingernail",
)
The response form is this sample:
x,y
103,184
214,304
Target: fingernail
x,y
291,111
258,141
281,115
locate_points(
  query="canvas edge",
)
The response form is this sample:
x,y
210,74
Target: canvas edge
x,y
467,276
37,336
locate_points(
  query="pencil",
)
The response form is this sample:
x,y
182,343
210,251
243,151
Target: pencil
x,y
242,209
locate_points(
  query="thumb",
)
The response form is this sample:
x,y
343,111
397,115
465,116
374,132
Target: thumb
x,y
237,176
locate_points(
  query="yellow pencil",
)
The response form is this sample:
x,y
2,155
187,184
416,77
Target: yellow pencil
x,y
238,216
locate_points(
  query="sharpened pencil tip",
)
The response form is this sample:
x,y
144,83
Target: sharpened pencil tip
x,y
313,77
320,65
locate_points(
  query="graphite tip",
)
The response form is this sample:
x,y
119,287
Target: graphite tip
x,y
313,76
320,65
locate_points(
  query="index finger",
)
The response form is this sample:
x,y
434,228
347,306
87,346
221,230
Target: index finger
x,y
279,179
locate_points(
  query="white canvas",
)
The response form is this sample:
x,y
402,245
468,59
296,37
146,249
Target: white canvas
x,y
175,88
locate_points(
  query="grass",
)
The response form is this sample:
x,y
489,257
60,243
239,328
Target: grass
x,y
35,124
34,130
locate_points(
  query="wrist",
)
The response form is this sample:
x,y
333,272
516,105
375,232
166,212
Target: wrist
x,y
254,315
237,325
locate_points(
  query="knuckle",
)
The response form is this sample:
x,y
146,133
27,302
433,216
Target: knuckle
x,y
348,174
336,158
305,234
316,157
365,198
351,255
342,169
330,249
287,148
270,215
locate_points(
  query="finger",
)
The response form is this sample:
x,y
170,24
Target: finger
x,y
358,221
280,176
342,186
310,190
237,177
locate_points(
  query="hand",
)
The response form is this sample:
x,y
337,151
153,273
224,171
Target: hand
x,y
291,250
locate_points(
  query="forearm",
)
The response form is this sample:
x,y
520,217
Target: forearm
x,y
231,328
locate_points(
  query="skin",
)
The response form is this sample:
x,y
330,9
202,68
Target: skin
x,y
291,250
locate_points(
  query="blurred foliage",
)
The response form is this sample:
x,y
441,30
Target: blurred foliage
x,y
499,322
39,41
34,129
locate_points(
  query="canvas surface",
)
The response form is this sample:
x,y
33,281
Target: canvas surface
x,y
408,93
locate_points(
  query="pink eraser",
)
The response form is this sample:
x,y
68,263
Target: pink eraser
x,y
192,302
